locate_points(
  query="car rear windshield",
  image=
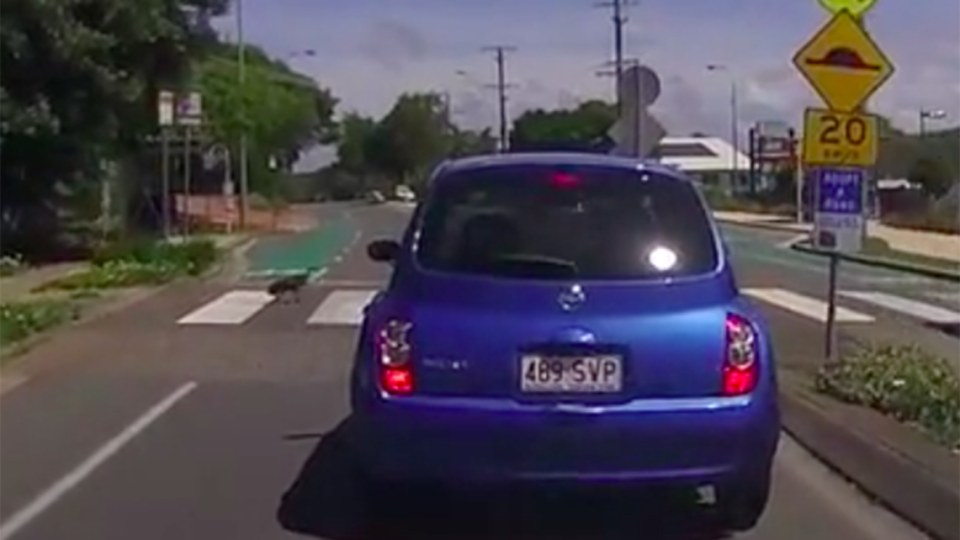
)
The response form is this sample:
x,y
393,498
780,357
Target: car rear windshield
x,y
543,222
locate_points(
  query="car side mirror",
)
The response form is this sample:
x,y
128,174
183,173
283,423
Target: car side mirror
x,y
383,250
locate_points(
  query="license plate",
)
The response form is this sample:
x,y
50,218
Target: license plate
x,y
579,374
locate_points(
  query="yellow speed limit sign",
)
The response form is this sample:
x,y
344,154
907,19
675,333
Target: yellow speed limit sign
x,y
836,138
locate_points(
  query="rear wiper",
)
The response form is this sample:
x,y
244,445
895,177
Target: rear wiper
x,y
533,265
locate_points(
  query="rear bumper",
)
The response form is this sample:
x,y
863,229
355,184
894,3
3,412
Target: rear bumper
x,y
671,441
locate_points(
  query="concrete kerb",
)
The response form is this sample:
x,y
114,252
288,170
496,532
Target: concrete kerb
x,y
804,246
768,225
910,476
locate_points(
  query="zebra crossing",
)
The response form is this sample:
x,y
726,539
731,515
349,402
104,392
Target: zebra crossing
x,y
864,306
344,306
338,307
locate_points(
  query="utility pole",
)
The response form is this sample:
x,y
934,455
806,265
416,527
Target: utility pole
x,y
241,82
619,21
502,87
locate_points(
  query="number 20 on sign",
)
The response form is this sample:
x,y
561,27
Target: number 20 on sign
x,y
839,139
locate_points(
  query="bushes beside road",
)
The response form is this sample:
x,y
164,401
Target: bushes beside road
x,y
903,382
722,201
20,320
140,263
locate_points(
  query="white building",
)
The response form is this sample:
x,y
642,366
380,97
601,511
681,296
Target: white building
x,y
710,160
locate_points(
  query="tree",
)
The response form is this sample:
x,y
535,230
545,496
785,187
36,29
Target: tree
x,y
578,128
79,80
356,136
932,176
411,138
469,142
282,112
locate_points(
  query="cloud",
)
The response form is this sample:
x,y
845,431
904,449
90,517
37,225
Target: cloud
x,y
393,44
368,54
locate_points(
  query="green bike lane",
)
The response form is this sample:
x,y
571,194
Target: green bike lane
x,y
311,251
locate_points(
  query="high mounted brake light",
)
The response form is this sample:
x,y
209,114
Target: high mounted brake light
x,y
740,364
565,180
394,354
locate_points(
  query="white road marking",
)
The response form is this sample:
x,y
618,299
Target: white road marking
x,y
112,447
10,382
342,308
913,308
786,244
804,305
233,307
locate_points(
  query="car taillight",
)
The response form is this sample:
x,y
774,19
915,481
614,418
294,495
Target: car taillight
x,y
393,349
740,362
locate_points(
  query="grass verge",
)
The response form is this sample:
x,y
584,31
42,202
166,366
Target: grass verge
x,y
903,382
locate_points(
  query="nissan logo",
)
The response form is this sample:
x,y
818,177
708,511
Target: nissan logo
x,y
571,299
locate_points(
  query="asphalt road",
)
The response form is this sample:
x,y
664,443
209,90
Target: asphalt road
x,y
155,430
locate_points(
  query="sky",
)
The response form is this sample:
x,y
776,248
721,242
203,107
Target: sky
x,y
369,51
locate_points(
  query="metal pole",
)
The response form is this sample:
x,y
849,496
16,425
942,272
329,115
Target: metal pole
x,y
640,116
187,173
798,171
228,189
830,340
241,79
501,85
923,124
618,22
735,131
165,181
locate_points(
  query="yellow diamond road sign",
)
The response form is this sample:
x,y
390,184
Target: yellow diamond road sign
x,y
843,64
856,7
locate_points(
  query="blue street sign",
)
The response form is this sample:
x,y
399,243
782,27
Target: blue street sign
x,y
839,220
840,191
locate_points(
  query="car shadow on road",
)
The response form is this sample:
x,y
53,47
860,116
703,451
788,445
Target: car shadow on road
x,y
330,500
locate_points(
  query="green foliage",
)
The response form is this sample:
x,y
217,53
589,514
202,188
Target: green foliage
x,y
20,320
904,382
931,174
563,127
10,264
141,262
79,79
282,112
399,148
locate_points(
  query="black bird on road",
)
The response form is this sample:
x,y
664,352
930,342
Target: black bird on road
x,y
288,287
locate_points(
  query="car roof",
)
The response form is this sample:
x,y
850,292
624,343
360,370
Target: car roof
x,y
575,159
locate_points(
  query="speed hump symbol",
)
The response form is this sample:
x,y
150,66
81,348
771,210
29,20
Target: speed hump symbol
x,y
839,139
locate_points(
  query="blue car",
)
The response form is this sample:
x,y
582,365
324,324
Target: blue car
x,y
566,318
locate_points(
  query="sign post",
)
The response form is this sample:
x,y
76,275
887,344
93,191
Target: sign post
x,y
636,132
845,67
166,115
838,227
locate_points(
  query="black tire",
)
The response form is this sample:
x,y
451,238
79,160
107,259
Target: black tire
x,y
740,506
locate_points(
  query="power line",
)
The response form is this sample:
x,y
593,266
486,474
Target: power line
x,y
619,21
501,87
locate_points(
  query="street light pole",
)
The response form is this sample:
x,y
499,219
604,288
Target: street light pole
x,y
241,82
734,120
925,114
